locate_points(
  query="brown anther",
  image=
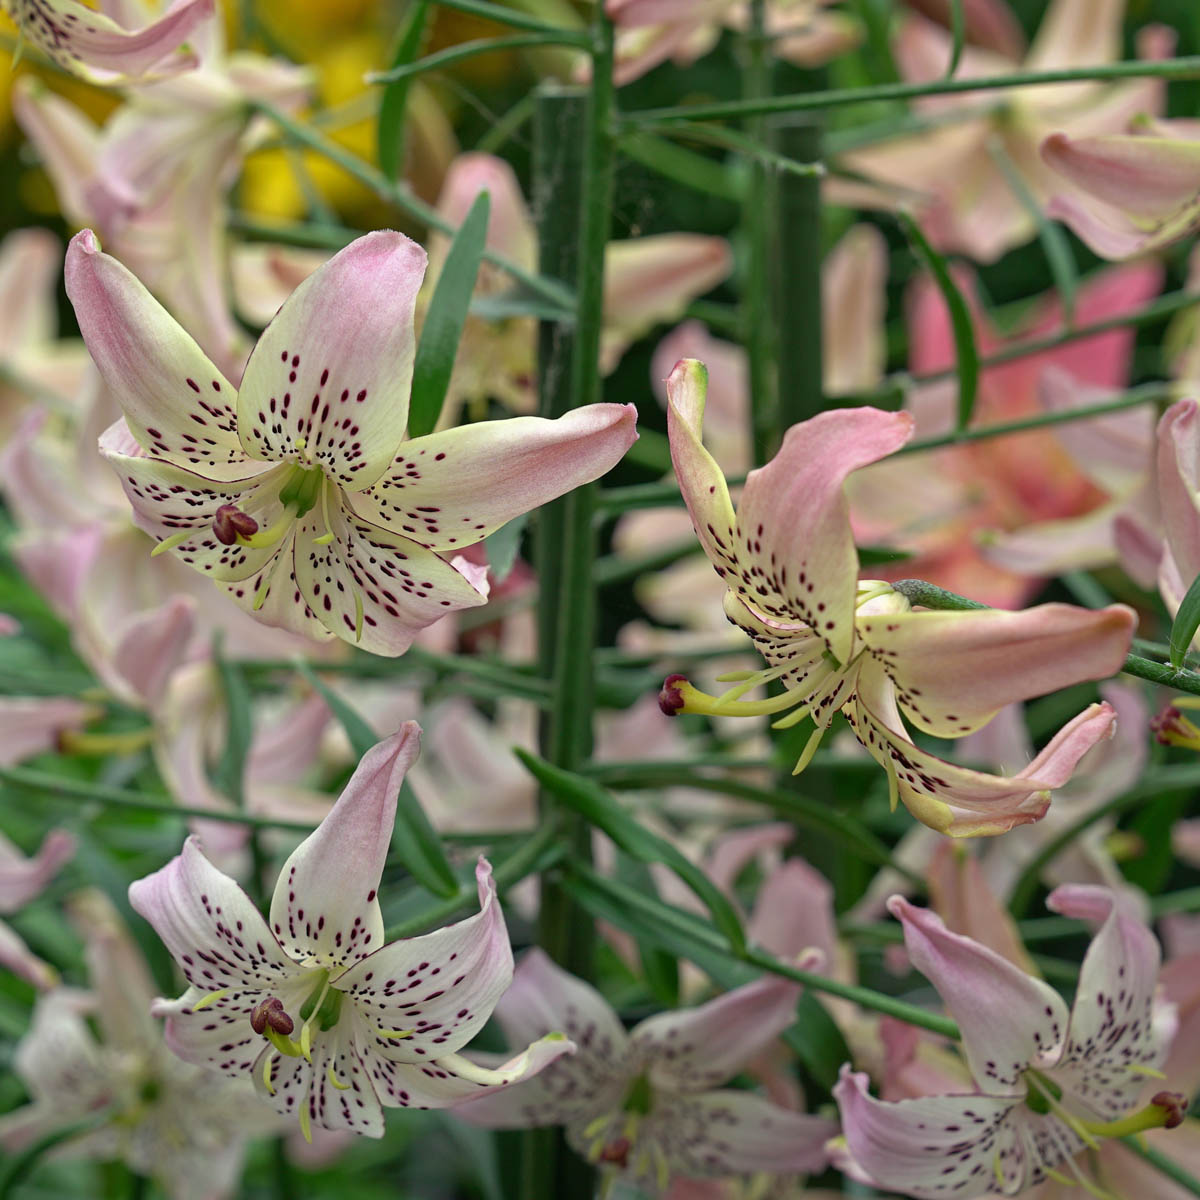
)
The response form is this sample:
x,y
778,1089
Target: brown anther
x,y
271,1012
1176,1107
670,699
617,1152
229,522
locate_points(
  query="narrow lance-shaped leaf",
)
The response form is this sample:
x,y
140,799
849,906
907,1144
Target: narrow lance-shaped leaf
x,y
598,808
503,545
958,30
1187,621
444,320
239,730
393,105
966,352
414,840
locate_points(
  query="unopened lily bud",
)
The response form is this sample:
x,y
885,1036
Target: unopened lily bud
x,y
271,1012
230,522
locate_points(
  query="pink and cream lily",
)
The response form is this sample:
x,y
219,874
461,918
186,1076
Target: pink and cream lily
x,y
297,492
94,46
1050,1081
329,1022
647,1105
791,572
1129,193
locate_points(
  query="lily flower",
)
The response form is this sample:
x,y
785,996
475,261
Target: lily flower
x,y
646,1105
1132,192
93,46
185,1127
330,1023
1050,1081
791,572
297,492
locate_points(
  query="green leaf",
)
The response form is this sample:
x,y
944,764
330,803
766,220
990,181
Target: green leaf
x,y
1187,621
503,545
965,349
394,102
598,808
444,320
413,840
239,729
958,29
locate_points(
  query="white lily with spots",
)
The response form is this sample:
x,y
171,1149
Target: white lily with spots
x,y
647,1105
297,491
93,45
1051,1081
835,642
330,1023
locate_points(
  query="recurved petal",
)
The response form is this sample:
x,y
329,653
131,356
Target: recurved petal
x,y
402,587
451,489
152,645
700,478
169,500
21,878
210,926
1114,1028
177,404
794,523
452,1079
1009,1020
437,990
17,957
90,44
732,1133
953,671
694,1049
31,724
324,910
925,1147
329,380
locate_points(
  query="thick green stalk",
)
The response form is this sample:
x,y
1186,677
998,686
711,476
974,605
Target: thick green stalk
x,y
1173,68
576,144
758,334
798,308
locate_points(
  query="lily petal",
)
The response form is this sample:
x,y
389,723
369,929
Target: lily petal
x,y
401,586
30,725
1178,473
319,918
328,382
211,927
734,1133
21,878
1113,1029
811,563
954,671
178,405
929,1146
439,989
465,483
1009,1020
698,1048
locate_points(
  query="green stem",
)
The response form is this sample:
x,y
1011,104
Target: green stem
x,y
501,15
465,50
119,798
1174,68
931,596
398,194
23,1161
758,232
1164,1164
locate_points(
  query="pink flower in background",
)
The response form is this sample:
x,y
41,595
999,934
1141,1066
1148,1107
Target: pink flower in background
x,y
297,492
97,1057
647,1105
1131,193
23,879
945,505
1050,1080
965,202
1178,475
790,567
95,47
650,32
329,1022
